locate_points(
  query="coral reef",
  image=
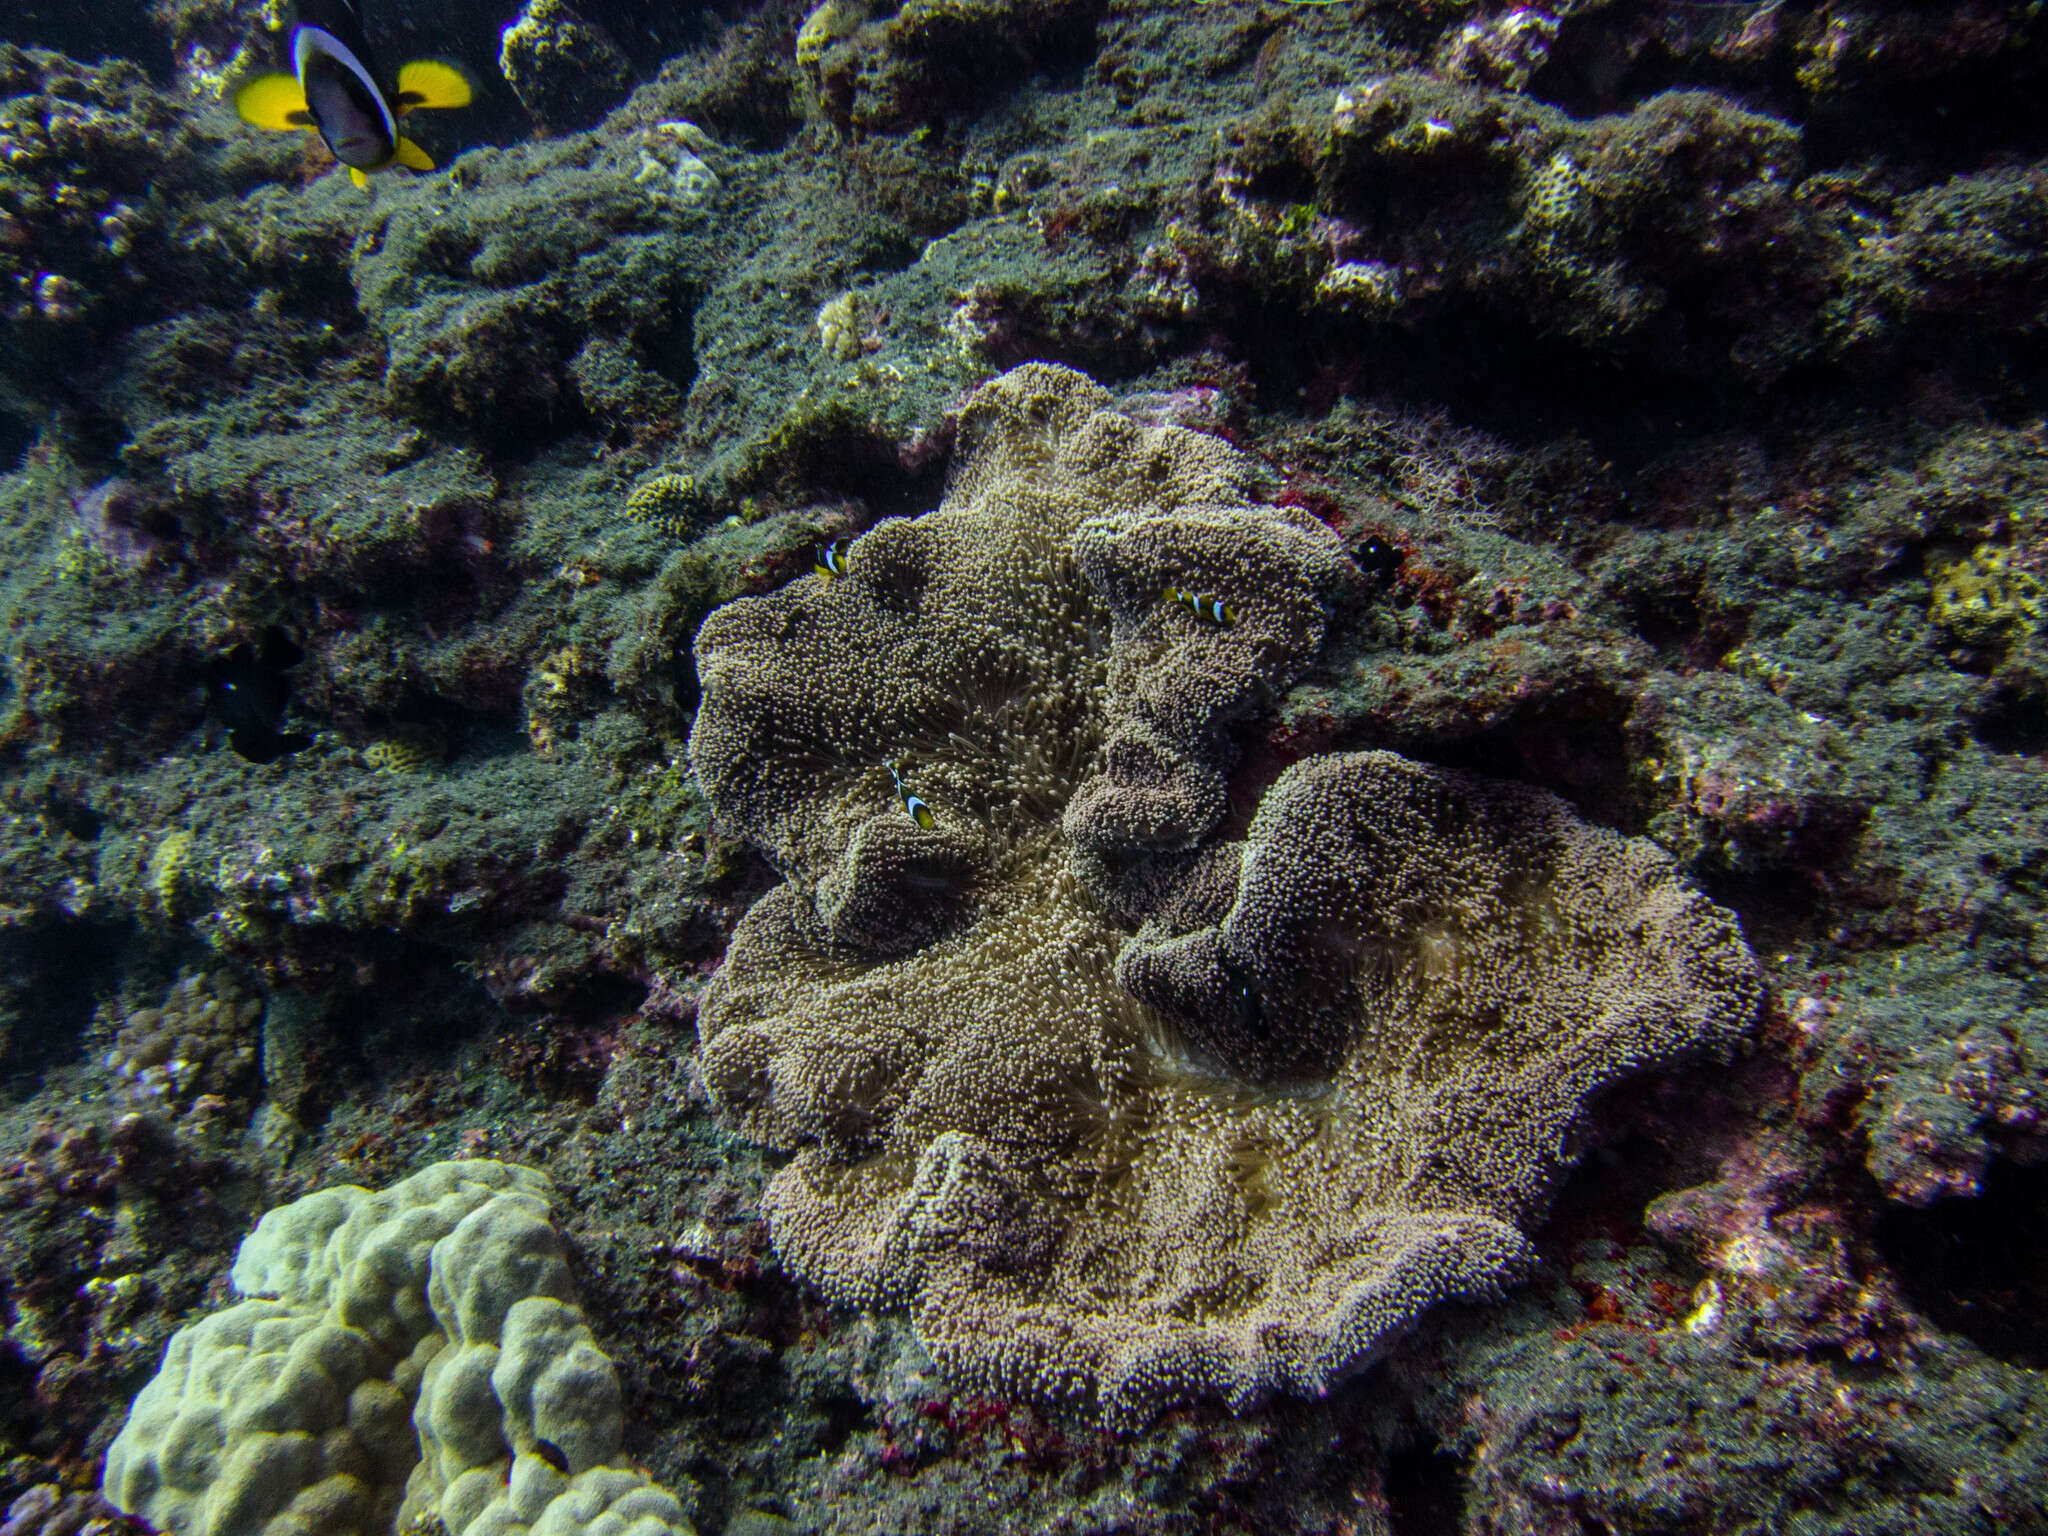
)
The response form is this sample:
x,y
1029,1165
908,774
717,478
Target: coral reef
x,y
89,157
665,501
508,346
1350,1080
1651,396
1683,227
410,1356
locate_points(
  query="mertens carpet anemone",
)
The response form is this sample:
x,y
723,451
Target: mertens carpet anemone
x,y
1124,1106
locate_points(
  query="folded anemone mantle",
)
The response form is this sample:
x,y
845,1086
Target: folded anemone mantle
x,y
1126,1102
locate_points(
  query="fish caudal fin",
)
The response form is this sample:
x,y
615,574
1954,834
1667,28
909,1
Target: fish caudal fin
x,y
430,83
273,101
412,157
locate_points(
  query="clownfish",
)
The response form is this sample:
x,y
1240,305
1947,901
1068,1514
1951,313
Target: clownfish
x,y
1211,610
831,562
336,91
915,808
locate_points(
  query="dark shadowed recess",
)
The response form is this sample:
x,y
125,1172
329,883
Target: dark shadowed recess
x,y
88,32
965,72
1779,907
1956,113
2013,721
1425,1492
1623,1170
249,690
646,31
404,1006
1573,746
1980,1267
50,973
1490,371
17,432
846,461
19,1415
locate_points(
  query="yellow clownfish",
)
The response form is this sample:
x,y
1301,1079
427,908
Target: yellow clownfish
x,y
1211,610
334,89
916,809
831,562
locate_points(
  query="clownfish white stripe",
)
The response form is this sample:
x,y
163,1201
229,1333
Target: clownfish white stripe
x,y
915,808
309,42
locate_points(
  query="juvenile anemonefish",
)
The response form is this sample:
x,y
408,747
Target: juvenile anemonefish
x,y
917,810
335,90
1211,610
831,561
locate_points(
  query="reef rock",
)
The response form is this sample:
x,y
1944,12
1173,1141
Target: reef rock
x,y
564,68
1123,1107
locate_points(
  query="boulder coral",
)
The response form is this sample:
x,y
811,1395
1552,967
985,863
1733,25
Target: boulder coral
x,y
409,1359
1126,1105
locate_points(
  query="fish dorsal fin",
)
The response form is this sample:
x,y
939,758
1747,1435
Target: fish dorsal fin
x,y
357,176
273,101
412,157
430,83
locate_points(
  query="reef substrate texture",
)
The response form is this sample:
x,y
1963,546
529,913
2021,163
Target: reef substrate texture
x,y
1612,423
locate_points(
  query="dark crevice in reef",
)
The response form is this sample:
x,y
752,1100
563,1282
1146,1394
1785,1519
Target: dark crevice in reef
x,y
1980,1267
1592,72
50,975
1618,1176
1778,906
17,432
1053,56
420,1008
1929,128
1680,619
601,996
1577,752
855,466
249,691
457,1009
1425,1492
840,1416
2013,722
1490,372
62,811
1933,132
90,33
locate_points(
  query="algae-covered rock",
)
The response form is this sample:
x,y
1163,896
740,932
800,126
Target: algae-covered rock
x,y
872,67
490,305
564,68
